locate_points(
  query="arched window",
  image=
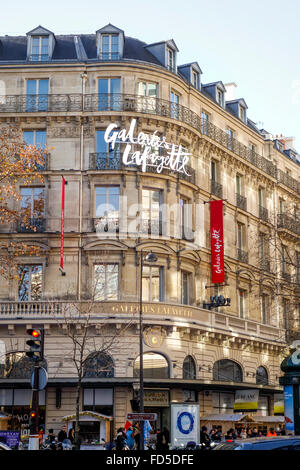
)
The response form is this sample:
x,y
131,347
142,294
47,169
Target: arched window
x,y
227,371
18,366
189,368
155,366
98,364
261,376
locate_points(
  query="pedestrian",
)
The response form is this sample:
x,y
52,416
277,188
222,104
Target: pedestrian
x,y
41,435
166,441
130,437
51,436
136,436
159,440
271,433
243,433
71,435
121,441
204,437
254,432
62,435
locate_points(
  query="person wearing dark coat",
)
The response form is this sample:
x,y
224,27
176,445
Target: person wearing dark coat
x,y
121,440
62,435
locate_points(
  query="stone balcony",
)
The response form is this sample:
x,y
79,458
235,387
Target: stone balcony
x,y
201,321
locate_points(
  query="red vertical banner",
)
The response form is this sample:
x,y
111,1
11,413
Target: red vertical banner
x,y
217,242
62,230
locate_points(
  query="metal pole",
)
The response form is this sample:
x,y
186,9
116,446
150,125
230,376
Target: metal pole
x,y
141,357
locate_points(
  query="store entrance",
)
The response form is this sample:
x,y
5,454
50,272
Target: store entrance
x,y
163,417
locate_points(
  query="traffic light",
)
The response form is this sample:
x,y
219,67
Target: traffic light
x,y
32,421
36,344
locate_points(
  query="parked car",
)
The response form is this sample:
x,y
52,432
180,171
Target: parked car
x,y
262,443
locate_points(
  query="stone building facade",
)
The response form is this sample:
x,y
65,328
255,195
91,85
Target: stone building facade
x,y
64,92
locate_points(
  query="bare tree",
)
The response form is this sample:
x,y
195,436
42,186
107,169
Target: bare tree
x,y
19,164
92,341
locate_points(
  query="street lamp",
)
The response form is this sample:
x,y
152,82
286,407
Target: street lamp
x,y
149,258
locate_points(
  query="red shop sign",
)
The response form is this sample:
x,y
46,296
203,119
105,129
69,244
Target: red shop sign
x,y
217,242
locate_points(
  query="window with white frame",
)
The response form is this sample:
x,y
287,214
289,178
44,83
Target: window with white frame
x,y
242,303
170,59
32,202
39,48
195,79
107,208
106,281
242,113
265,308
151,210
109,47
220,96
186,287
174,105
229,133
30,278
147,97
204,122
152,283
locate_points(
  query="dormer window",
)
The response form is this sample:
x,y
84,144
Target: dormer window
x,y
40,44
220,97
170,59
242,113
109,49
195,77
110,43
39,48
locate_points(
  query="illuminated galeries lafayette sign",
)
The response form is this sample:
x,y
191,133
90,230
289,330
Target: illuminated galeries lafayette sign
x,y
174,158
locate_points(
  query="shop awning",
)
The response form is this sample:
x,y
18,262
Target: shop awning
x,y
88,415
234,418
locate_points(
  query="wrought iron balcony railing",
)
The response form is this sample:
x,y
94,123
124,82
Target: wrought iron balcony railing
x,y
287,222
241,202
113,161
135,103
263,213
242,255
106,224
151,226
35,225
216,188
265,265
288,181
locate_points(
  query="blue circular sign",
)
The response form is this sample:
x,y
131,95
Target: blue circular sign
x,y
185,422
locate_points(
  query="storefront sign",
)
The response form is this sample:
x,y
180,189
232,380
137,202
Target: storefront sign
x,y
278,404
185,424
142,416
246,400
10,438
175,157
156,398
217,242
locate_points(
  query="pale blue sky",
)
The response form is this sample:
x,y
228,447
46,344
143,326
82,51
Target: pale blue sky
x,y
252,43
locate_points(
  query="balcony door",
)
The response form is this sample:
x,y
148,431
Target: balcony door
x,y
109,94
37,95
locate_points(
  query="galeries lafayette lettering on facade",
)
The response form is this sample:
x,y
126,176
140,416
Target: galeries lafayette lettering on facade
x,y
174,158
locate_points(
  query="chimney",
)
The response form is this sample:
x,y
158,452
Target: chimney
x,y
230,91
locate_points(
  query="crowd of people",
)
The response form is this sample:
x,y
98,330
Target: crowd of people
x,y
129,438
216,434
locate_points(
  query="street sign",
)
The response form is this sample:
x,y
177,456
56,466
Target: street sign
x,y
142,416
43,378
